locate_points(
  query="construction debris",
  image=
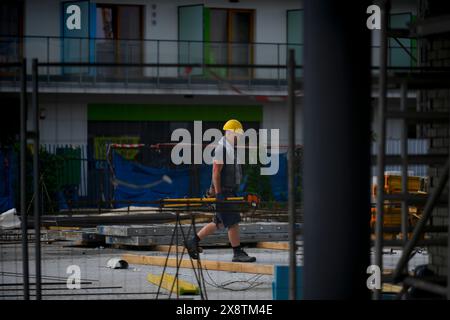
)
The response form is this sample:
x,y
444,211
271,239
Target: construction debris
x,y
78,237
117,263
9,219
173,284
152,235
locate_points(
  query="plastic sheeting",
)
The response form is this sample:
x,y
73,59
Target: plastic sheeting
x,y
139,175
9,220
132,173
7,177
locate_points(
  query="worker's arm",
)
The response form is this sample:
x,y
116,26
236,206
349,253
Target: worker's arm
x,y
217,168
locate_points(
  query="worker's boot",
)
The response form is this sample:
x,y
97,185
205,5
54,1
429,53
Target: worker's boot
x,y
192,247
241,256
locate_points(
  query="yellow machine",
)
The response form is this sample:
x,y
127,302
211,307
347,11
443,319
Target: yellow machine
x,y
392,209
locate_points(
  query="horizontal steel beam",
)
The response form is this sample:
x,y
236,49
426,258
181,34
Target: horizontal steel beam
x,y
414,199
442,242
424,159
425,285
414,116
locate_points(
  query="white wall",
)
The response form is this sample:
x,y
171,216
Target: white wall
x,y
64,123
275,117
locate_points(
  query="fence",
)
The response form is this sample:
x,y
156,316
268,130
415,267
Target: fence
x,y
75,250
159,53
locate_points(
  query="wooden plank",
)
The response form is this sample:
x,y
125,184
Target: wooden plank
x,y
56,228
391,288
183,287
273,245
165,248
207,264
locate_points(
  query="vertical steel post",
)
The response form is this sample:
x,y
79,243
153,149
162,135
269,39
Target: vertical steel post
x,y
36,178
404,155
381,141
337,150
291,177
448,235
23,200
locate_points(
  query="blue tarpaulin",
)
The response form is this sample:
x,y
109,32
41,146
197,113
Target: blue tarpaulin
x,y
139,175
279,181
7,163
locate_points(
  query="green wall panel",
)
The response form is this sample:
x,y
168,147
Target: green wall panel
x,y
144,112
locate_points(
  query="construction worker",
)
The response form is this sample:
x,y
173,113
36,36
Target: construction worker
x,y
226,178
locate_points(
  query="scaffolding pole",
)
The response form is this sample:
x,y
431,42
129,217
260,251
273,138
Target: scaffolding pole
x,y
291,177
36,179
23,200
404,155
382,103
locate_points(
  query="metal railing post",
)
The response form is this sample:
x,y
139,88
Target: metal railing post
x,y
189,61
157,62
278,62
81,60
48,59
127,57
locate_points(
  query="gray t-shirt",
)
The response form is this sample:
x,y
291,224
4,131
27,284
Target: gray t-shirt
x,y
229,158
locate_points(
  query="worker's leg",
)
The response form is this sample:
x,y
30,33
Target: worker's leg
x,y
208,229
192,245
234,235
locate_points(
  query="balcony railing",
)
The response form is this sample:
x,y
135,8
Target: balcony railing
x,y
159,54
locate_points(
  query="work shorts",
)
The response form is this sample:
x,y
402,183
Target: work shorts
x,y
226,213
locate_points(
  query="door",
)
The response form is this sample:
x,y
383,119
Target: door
x,y
11,32
240,35
190,36
119,39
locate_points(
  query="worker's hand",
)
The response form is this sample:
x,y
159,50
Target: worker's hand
x,y
210,193
220,197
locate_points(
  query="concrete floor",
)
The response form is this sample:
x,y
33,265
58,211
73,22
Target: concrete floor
x,y
131,283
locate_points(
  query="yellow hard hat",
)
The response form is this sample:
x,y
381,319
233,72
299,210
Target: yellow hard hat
x,y
234,125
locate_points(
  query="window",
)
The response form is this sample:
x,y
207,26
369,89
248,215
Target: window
x,y
231,36
398,56
294,36
227,36
11,29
